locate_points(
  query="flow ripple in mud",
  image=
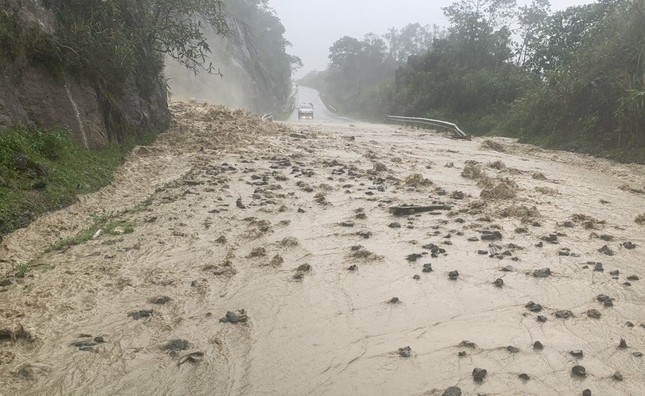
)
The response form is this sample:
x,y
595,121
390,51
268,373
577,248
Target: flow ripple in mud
x,y
240,257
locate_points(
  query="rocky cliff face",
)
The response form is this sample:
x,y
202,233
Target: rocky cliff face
x,y
31,94
244,81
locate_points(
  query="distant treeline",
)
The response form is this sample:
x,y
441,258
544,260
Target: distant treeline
x,y
572,79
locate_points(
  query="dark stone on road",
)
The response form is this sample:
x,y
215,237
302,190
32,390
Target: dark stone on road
x,y
533,307
542,273
395,225
239,316
563,314
629,245
498,282
176,345
414,257
593,313
416,277
512,349
524,377
452,391
453,275
606,250
508,268
427,267
160,300
586,392
577,353
632,278
352,267
541,318
617,376
579,371
479,374
405,352
394,300
144,313
537,345
598,267
491,236
622,344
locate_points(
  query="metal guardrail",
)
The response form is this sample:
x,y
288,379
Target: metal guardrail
x,y
427,121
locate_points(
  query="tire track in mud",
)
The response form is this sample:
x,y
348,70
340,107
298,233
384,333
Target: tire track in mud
x,y
232,214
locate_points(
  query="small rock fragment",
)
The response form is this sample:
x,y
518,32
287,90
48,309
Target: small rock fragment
x,y
524,377
586,392
144,313
542,273
416,277
453,275
452,391
541,318
533,307
632,278
537,345
479,374
579,371
160,300
622,344
563,314
577,353
239,316
427,267
593,313
352,267
394,300
617,376
405,352
512,349
498,282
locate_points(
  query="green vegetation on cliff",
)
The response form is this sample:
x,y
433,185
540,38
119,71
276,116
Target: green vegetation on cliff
x,y
572,79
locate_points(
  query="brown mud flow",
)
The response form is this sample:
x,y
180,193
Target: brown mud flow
x,y
236,257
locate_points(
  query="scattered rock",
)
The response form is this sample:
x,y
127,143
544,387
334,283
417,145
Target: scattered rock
x,y
416,277
427,267
598,267
468,344
498,282
577,354
405,352
347,223
593,313
614,273
160,300
524,377
563,314
629,245
542,273
395,225
512,349
452,391
586,392
508,268
541,318
491,235
144,313
479,374
579,371
462,354
533,307
637,354
239,316
606,250
176,345
537,345
394,300
414,257
617,376
632,278
352,267
453,275
258,252
622,344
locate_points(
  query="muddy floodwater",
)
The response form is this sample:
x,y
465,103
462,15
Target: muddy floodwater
x,y
241,258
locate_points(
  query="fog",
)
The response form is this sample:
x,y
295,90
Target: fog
x,y
314,25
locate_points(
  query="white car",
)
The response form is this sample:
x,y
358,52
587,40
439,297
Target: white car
x,y
306,111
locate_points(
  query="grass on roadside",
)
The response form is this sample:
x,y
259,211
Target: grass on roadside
x,y
44,171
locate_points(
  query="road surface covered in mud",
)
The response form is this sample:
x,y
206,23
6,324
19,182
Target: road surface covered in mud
x,y
237,257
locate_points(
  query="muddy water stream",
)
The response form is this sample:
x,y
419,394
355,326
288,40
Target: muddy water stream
x,y
225,211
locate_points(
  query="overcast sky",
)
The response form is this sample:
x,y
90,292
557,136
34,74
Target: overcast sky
x,y
314,25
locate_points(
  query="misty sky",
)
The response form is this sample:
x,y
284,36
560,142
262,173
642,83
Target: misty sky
x,y
314,25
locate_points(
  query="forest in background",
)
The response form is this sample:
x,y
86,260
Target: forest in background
x,y
572,79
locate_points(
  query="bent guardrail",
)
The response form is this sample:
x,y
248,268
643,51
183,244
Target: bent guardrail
x,y
428,121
